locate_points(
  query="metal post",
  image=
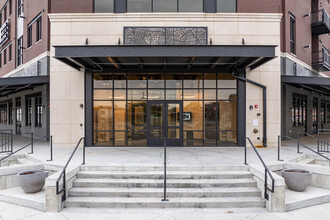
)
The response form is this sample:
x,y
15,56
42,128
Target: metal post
x,y
51,148
64,187
84,153
31,143
266,194
318,142
298,143
279,148
11,141
165,199
245,157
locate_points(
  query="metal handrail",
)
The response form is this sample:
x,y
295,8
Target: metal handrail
x,y
165,171
323,140
25,147
267,171
9,142
298,144
62,174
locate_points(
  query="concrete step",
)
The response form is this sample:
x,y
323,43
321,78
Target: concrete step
x,y
160,174
24,161
171,192
224,202
307,161
158,183
161,168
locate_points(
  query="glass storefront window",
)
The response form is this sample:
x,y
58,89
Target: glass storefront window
x,y
137,138
224,94
103,138
103,6
102,81
192,115
103,94
193,94
227,115
210,94
210,115
226,5
103,116
119,94
172,94
174,81
156,81
210,80
193,81
137,94
120,115
165,6
226,81
137,116
119,80
227,138
138,5
138,81
155,94
191,5
193,138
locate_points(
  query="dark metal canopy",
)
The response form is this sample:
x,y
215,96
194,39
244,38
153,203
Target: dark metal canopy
x,y
316,84
126,57
10,85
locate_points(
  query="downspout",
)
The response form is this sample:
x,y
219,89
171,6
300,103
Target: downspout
x,y
264,88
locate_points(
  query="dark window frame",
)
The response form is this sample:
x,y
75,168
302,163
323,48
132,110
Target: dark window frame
x,y
216,5
38,111
28,111
39,29
20,51
292,33
29,36
113,6
5,56
10,7
10,53
5,13
3,113
20,8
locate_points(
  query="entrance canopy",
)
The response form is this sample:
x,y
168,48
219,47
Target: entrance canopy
x,y
190,58
315,84
11,85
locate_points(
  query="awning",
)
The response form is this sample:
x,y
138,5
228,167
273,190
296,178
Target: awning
x,y
126,57
10,85
316,84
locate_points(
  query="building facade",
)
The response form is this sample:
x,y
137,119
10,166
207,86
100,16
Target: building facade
x,y
188,72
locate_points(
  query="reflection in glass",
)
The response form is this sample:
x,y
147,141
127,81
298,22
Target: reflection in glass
x,y
174,94
226,6
210,94
192,115
156,94
210,115
156,81
210,80
104,94
120,115
102,81
227,138
226,81
103,6
137,81
140,94
193,81
210,138
174,81
137,138
191,5
120,94
120,80
192,138
227,94
103,138
138,5
156,133
165,6
137,116
156,114
173,115
120,138
227,115
173,133
193,94
103,120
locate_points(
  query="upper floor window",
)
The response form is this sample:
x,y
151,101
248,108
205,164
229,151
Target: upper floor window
x,y
9,51
29,35
10,7
5,13
20,7
4,56
226,5
39,26
20,51
292,34
28,110
165,6
38,111
103,6
3,114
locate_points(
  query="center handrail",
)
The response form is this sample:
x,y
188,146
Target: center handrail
x,y
267,171
31,143
62,174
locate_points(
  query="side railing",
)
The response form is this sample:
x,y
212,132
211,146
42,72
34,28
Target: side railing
x,y
63,174
165,171
6,137
267,171
27,145
323,144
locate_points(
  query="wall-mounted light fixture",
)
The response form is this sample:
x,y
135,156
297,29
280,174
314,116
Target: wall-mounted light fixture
x,y
307,15
81,106
307,47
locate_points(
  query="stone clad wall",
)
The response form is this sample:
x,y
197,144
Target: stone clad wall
x,y
67,84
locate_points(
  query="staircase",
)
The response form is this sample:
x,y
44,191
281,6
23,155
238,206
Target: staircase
x,y
187,187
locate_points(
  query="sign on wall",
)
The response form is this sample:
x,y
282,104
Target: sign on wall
x,y
4,30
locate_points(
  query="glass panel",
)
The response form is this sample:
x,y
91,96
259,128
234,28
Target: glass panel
x,y
227,115
191,5
227,94
120,115
103,6
137,81
156,81
226,5
103,138
227,138
156,133
156,94
103,120
210,80
103,94
173,133
165,6
120,94
210,94
193,81
173,114
138,5
210,115
193,94
120,138
174,81
156,114
102,81
135,138
137,116
119,80
192,115
210,138
226,81
191,138
140,94
173,94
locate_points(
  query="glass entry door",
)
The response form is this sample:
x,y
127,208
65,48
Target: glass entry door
x,y
165,121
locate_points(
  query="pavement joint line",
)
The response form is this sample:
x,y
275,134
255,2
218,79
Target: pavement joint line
x,y
64,216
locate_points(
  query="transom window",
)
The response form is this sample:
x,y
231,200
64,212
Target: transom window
x,y
103,6
165,6
226,5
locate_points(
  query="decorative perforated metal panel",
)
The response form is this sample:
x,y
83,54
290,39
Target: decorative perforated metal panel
x,y
165,35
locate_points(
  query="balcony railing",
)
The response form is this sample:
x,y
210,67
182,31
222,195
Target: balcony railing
x,y
321,60
320,22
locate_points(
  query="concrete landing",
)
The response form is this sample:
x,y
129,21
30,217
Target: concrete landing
x,y
312,196
18,197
